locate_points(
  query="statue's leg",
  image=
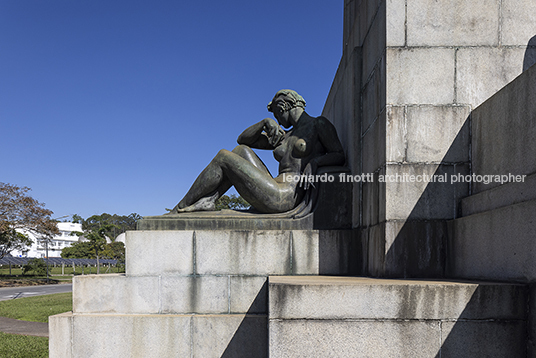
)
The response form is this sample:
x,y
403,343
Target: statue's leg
x,y
213,183
205,190
247,153
253,181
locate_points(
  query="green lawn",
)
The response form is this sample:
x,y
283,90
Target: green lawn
x,y
15,346
38,308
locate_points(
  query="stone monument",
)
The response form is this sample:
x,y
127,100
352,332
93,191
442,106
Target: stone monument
x,y
424,89
196,281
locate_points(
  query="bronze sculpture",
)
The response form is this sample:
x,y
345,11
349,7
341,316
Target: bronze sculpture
x,y
309,144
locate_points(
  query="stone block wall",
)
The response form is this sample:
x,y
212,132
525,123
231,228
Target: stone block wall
x,y
362,317
423,67
504,132
191,293
494,238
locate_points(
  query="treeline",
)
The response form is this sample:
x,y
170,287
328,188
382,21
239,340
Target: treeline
x,y
101,231
98,237
117,224
86,250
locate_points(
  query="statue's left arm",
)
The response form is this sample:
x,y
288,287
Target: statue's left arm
x,y
334,152
329,139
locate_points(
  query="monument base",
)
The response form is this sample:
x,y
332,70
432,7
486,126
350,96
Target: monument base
x,y
199,293
308,316
158,335
258,293
363,317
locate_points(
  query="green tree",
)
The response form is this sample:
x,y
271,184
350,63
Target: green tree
x,y
97,230
77,219
117,224
115,251
85,250
11,239
21,214
97,240
38,266
233,202
79,250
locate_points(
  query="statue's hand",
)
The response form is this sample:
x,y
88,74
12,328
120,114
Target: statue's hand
x,y
274,131
307,177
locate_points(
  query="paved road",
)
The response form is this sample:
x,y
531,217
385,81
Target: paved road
x,y
8,293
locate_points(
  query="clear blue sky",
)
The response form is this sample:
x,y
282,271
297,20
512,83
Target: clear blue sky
x,y
116,106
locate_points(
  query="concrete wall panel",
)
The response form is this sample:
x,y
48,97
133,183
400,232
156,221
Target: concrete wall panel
x,y
325,338
116,294
250,253
438,134
518,22
482,71
396,22
173,251
504,132
204,294
374,43
420,76
59,344
497,244
396,134
131,336
453,23
423,200
374,145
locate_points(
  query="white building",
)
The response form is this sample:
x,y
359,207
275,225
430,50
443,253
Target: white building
x,y
64,239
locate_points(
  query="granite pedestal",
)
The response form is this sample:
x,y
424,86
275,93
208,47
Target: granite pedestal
x,y
189,293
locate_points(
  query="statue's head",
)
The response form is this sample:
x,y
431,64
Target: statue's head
x,y
290,98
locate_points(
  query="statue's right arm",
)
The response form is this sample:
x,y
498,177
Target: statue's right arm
x,y
255,136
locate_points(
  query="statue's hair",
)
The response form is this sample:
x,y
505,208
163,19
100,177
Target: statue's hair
x,y
292,98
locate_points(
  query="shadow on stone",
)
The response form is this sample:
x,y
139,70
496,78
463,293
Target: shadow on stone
x,y
491,325
339,253
422,244
530,54
251,337
419,247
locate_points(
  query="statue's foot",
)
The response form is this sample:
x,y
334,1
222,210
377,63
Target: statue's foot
x,y
203,204
171,211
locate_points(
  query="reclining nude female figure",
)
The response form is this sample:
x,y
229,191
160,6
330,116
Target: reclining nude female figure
x,y
306,144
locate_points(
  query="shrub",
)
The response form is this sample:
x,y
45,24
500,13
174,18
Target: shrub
x,y
38,266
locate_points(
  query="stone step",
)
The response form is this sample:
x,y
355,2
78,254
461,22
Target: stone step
x,y
229,252
158,335
169,294
351,317
500,196
495,244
